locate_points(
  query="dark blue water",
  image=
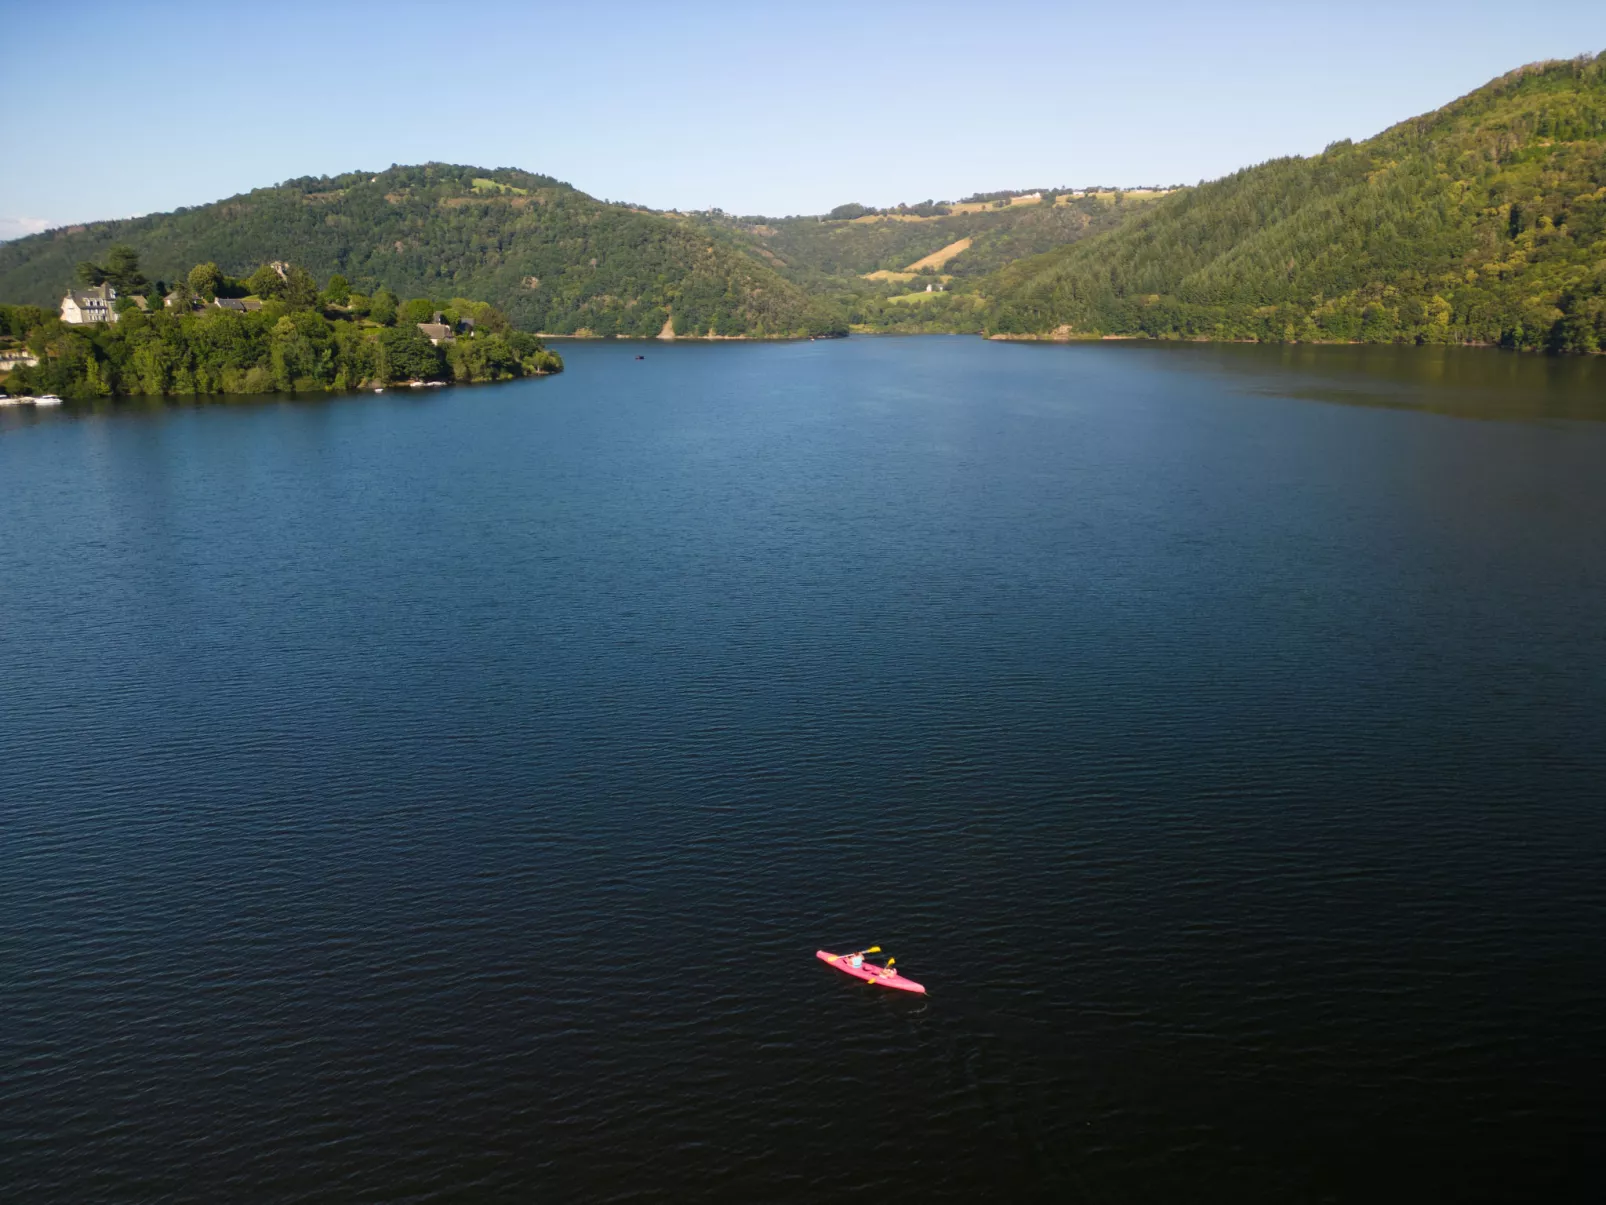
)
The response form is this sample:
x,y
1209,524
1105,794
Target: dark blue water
x,y
442,798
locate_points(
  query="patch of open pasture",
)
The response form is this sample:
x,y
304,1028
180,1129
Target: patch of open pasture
x,y
940,257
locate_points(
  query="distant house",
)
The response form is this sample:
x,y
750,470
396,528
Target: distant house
x,y
240,305
82,307
17,359
437,332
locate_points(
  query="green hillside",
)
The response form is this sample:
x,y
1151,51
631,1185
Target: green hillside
x,y
833,258
1482,222
805,249
550,257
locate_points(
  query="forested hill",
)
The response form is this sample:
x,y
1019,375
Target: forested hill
x,y
872,267
551,257
1482,222
811,250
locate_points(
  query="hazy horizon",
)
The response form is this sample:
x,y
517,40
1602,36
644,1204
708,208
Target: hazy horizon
x,y
710,106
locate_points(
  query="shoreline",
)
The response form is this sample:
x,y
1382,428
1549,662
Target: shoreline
x,y
1057,337
350,390
1064,339
690,338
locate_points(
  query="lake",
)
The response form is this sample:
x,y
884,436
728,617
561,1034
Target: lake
x,y
440,795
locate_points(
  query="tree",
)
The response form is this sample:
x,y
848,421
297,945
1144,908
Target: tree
x,y
487,359
338,291
91,274
122,270
846,213
18,320
415,310
298,290
487,319
405,355
265,282
382,307
204,280
823,322
300,355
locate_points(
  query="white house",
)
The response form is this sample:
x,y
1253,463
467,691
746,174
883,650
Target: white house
x,y
94,304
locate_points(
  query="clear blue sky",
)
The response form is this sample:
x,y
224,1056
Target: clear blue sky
x,y
126,108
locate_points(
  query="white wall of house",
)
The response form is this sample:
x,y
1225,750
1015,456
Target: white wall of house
x,y
92,305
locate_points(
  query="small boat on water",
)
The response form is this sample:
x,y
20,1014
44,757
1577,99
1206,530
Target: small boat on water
x,y
883,976
22,399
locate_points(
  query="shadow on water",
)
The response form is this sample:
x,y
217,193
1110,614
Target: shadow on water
x,y
1460,382
158,405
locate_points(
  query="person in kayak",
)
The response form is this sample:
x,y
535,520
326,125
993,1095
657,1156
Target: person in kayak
x,y
856,961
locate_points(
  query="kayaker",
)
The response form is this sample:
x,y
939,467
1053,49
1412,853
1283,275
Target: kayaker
x,y
856,961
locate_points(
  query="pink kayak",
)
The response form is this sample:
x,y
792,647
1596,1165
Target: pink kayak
x,y
870,973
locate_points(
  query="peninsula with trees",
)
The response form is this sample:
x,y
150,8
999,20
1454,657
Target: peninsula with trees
x,y
122,334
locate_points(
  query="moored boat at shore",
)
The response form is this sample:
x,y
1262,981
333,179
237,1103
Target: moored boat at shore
x,y
23,399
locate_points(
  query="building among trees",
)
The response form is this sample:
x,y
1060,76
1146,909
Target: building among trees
x,y
439,331
91,304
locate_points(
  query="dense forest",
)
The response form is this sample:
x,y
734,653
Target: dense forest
x,y
552,258
1482,222
274,331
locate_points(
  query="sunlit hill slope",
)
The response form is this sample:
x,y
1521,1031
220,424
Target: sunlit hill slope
x,y
551,257
1484,221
